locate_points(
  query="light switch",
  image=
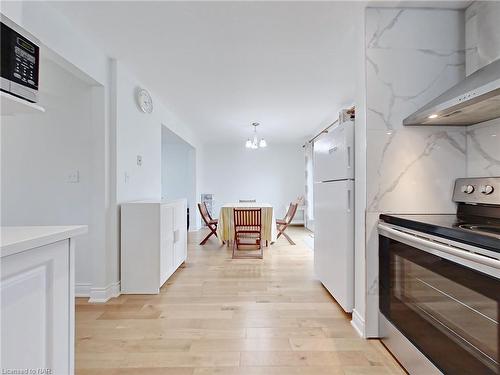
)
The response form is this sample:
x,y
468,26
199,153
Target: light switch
x,y
73,177
126,177
139,160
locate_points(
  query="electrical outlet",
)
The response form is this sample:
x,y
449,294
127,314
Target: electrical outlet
x,y
73,177
139,160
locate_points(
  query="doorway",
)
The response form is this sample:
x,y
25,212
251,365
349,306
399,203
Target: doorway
x,y
178,171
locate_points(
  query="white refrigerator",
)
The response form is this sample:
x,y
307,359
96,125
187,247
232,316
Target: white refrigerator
x,y
334,212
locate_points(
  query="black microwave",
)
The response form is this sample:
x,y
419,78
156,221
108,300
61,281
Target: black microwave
x,y
20,61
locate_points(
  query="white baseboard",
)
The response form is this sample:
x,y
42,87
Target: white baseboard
x,y
358,323
101,295
82,289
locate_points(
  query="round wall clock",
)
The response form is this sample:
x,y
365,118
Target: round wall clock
x,y
144,101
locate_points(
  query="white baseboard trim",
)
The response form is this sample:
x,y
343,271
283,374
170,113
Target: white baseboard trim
x,y
102,295
358,323
82,289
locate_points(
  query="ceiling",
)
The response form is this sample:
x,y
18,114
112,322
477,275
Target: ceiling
x,y
219,66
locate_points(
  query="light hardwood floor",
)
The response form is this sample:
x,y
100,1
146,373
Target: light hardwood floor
x,y
221,316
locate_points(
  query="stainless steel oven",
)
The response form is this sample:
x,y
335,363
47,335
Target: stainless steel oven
x,y
442,298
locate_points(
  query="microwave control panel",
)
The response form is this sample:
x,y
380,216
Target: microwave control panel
x,y
20,58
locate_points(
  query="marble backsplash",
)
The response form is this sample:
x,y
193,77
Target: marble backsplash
x,y
412,169
412,56
483,149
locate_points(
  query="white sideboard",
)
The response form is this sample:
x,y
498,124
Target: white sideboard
x,y
37,294
153,244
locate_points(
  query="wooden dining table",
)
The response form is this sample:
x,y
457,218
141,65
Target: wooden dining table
x,y
225,228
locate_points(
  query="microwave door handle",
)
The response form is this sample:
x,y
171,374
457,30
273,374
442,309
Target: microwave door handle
x,y
464,254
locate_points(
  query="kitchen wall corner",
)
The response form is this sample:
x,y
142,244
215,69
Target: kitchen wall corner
x,y
482,42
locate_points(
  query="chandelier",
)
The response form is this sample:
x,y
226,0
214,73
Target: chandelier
x,y
254,143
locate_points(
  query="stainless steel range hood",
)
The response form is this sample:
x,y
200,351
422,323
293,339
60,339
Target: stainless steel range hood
x,y
474,100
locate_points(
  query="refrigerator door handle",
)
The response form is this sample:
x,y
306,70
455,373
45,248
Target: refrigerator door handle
x,y
349,200
348,156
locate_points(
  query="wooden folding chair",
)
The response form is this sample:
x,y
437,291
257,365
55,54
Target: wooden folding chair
x,y
285,222
247,226
211,223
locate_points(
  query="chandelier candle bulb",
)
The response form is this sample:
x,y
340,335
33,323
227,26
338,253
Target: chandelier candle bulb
x,y
255,143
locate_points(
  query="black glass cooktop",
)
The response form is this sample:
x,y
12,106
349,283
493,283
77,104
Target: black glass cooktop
x,y
473,230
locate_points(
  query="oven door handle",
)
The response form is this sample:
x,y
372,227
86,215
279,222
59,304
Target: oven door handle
x,y
464,254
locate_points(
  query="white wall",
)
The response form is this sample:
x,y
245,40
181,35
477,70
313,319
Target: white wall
x,y
178,177
139,133
409,169
58,33
482,36
273,175
40,151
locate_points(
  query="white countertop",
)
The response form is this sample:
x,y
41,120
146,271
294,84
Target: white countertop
x,y
246,205
153,201
17,239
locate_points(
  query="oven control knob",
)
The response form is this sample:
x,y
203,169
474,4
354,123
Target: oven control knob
x,y
487,189
468,189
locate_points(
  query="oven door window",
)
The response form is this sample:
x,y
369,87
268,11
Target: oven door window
x,y
448,311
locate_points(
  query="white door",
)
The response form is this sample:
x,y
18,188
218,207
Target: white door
x,y
334,239
180,236
334,154
166,242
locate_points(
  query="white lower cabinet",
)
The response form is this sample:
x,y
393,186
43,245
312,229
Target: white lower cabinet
x,y
37,305
153,244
